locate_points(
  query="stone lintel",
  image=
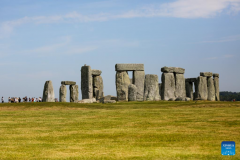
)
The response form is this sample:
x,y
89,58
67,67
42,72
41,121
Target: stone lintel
x,y
206,74
68,82
215,75
177,70
129,67
190,79
96,72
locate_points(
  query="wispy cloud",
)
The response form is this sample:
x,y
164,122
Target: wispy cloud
x,y
228,56
178,8
221,57
225,39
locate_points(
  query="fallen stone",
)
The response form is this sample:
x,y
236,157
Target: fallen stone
x,y
96,72
201,88
68,82
73,93
122,83
138,80
187,99
151,90
173,70
189,90
109,101
171,99
129,67
86,82
108,97
211,89
114,98
62,93
168,86
132,92
180,99
206,74
93,100
48,92
215,75
180,90
216,85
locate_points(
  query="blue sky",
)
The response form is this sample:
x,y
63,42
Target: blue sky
x,y
51,40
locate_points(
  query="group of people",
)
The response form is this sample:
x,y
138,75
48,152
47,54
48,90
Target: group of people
x,y
24,99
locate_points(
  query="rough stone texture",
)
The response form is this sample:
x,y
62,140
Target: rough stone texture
x,y
216,85
62,93
114,98
180,90
92,100
68,82
109,101
168,86
180,99
138,80
189,89
211,89
151,90
201,88
48,92
86,82
129,67
171,99
96,72
160,89
206,74
187,99
173,70
215,75
108,97
132,92
190,79
131,80
122,83
98,87
73,93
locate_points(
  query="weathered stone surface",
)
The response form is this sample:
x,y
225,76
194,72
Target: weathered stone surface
x,y
114,98
92,100
206,74
48,92
180,99
129,67
173,70
132,92
168,86
86,82
96,72
108,97
187,99
109,101
171,99
73,93
68,82
215,75
138,80
122,83
62,93
216,85
180,90
189,89
211,89
201,88
151,90
98,87
190,79
160,89
131,81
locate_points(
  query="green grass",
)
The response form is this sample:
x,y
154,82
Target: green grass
x,y
140,130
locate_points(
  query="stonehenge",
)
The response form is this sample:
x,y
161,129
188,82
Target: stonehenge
x,y
216,85
48,92
151,88
73,91
132,92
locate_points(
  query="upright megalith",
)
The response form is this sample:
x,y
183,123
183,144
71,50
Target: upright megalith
x,y
168,86
216,85
132,92
97,87
160,89
180,90
48,92
201,90
189,87
73,93
138,80
122,83
62,93
211,89
86,82
151,89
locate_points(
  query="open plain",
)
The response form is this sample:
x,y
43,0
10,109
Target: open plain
x,y
125,130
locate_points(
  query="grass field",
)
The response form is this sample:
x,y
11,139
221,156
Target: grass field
x,y
140,130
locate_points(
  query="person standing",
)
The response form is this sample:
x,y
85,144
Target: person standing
x,y
2,100
19,100
9,100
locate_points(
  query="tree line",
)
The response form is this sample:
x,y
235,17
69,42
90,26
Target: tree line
x,y
229,96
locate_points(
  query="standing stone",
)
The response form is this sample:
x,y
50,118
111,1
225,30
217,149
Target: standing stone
x,y
138,80
132,92
98,87
211,89
86,82
73,93
180,90
168,86
160,89
201,88
122,83
216,85
189,89
48,92
62,93
151,89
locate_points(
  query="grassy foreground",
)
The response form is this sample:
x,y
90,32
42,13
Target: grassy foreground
x,y
140,130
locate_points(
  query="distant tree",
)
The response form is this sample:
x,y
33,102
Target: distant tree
x,y
229,96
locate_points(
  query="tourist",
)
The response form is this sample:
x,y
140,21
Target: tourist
x,y
29,99
16,100
36,99
19,100
9,100
40,99
2,100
